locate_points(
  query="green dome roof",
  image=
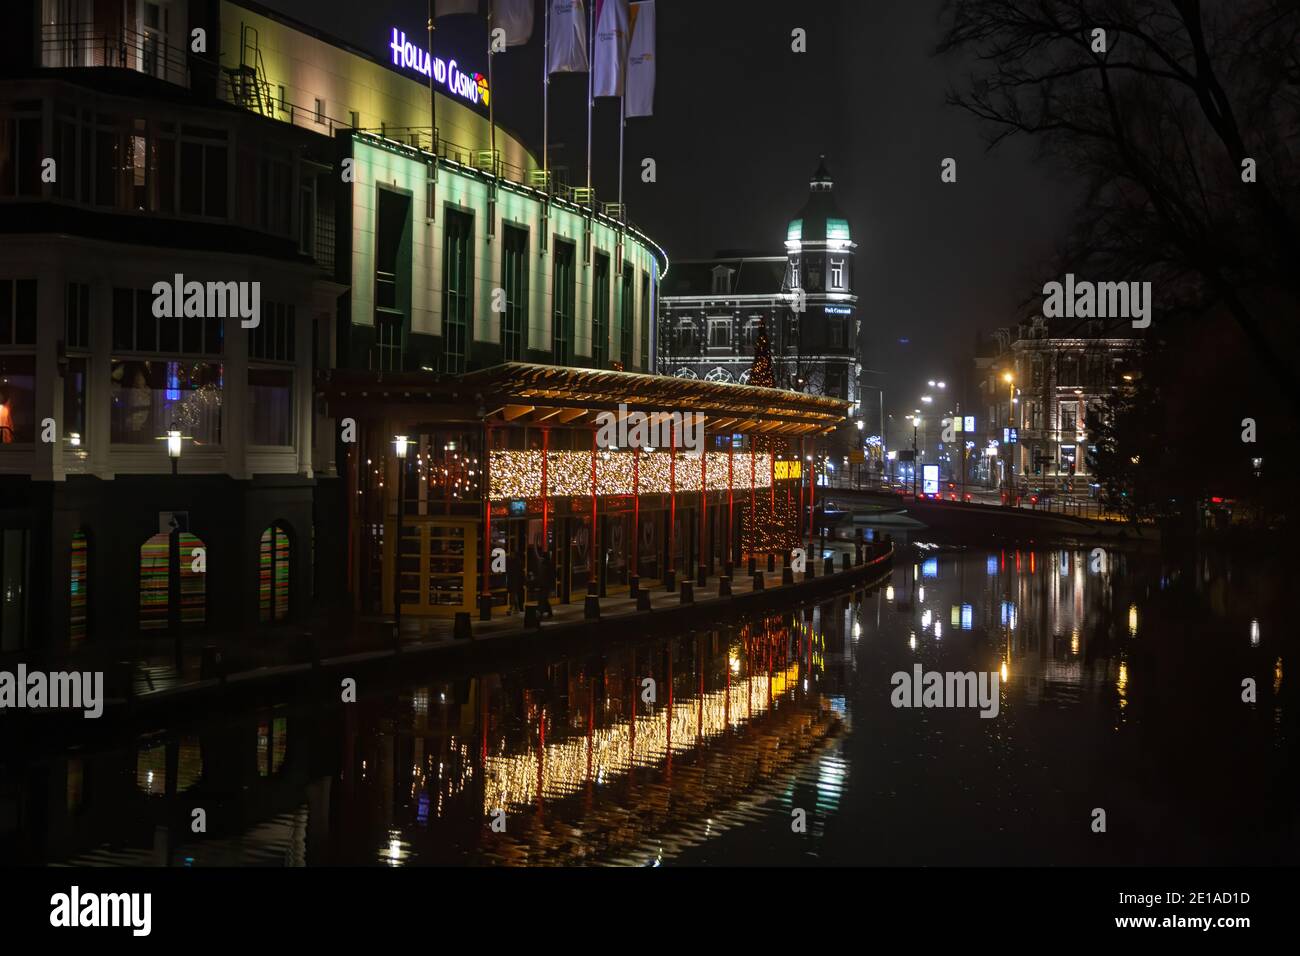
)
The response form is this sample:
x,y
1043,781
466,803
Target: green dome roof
x,y
820,219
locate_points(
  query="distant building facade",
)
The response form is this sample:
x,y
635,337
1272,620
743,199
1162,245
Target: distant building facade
x,y
1040,378
710,310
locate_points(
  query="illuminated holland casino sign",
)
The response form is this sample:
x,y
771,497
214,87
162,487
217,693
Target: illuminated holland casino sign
x,y
468,86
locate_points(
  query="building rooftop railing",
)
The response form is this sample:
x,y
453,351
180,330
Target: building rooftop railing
x,y
71,45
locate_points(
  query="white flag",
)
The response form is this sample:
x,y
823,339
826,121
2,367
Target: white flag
x,y
516,18
568,39
640,99
609,49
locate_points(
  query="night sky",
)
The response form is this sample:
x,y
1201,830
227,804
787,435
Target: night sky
x,y
740,121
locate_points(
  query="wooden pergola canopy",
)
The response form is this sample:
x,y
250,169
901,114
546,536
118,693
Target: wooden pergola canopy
x,y
520,393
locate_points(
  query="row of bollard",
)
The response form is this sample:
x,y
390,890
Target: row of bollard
x,y
686,588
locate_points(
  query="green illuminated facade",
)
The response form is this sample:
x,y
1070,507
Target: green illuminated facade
x,y
451,269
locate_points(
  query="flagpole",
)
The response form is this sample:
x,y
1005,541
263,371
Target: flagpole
x,y
591,72
433,96
622,127
492,91
546,92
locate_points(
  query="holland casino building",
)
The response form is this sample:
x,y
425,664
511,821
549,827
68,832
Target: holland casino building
x,y
227,164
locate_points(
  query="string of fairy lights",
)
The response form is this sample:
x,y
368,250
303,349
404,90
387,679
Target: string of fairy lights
x,y
518,474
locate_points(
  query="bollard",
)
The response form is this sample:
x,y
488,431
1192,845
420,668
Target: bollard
x,y
787,575
670,580
461,628
591,607
688,593
828,566
634,585
701,576
210,668
810,572
753,564
845,562
643,600
758,580
724,586
771,562
532,618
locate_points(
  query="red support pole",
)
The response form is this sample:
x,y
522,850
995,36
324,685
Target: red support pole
x,y
593,574
731,528
672,491
546,501
753,501
636,511
704,501
811,502
487,514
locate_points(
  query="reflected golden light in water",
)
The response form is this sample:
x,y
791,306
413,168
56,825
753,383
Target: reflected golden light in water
x,y
1132,620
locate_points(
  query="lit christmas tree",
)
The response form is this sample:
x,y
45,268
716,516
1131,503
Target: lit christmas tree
x,y
772,527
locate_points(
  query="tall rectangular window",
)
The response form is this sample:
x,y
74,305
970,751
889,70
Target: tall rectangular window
x,y
647,316
514,280
457,288
17,311
625,318
392,278
600,313
563,296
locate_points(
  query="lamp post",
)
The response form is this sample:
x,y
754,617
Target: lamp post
x,y
1011,423
400,443
861,450
176,617
916,423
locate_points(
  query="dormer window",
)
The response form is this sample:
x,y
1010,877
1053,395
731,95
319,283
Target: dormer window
x,y
722,280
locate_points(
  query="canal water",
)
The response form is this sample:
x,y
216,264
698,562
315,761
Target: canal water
x,y
771,740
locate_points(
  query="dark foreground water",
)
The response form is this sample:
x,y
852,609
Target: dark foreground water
x,y
1120,690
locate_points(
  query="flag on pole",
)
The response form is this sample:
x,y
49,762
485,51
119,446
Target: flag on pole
x,y
640,96
568,37
609,48
516,18
445,8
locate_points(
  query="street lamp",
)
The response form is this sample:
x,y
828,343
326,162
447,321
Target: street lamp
x,y
1011,423
400,443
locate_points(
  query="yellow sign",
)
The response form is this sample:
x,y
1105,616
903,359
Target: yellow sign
x,y
787,470
857,457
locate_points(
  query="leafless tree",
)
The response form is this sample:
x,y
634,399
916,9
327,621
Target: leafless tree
x,y
1160,125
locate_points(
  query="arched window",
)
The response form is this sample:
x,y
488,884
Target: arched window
x,y
718,374
686,373
78,588
273,576
155,582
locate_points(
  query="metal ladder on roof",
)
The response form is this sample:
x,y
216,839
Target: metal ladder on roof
x,y
248,84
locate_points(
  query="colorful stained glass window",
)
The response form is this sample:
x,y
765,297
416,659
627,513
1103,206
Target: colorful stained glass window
x,y
273,576
155,596
78,588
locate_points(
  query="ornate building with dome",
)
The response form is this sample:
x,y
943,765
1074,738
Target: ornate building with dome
x,y
710,310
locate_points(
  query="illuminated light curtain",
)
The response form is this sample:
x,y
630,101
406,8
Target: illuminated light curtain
x,y
273,576
153,583
78,589
517,474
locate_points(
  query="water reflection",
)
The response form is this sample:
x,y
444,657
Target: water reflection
x,y
697,747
